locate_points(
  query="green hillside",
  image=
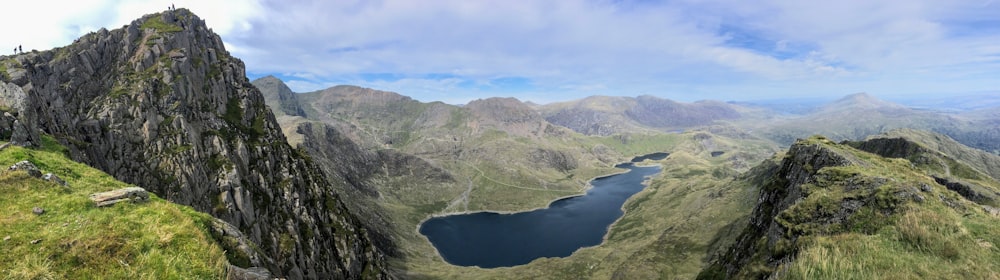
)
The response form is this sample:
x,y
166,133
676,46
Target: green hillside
x,y
73,239
831,211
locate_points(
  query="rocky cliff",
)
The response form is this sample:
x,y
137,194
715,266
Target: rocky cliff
x,y
161,104
879,210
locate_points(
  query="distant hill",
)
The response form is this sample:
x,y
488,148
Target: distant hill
x,y
604,115
857,116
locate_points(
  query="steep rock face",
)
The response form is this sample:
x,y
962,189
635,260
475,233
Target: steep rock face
x,y
160,103
360,174
824,191
783,186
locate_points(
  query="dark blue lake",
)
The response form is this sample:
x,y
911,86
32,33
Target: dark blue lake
x,y
496,240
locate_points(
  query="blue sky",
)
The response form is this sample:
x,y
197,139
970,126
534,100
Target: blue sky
x,y
545,51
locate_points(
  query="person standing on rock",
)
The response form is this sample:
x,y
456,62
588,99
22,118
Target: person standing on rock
x,y
20,49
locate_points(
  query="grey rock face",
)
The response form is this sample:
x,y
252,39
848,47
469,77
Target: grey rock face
x,y
161,104
786,188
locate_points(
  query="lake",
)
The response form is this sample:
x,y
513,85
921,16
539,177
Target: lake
x,y
488,240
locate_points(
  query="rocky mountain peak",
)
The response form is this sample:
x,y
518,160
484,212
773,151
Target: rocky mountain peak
x,y
161,104
277,93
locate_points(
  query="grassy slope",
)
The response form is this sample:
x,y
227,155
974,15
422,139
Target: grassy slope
x,y
668,229
925,240
894,236
152,240
492,166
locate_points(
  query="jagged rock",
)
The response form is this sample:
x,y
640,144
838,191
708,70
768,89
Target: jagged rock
x,y
925,188
37,210
26,166
160,103
239,250
253,273
53,178
134,194
968,190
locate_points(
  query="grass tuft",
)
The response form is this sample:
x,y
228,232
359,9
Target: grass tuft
x,y
73,239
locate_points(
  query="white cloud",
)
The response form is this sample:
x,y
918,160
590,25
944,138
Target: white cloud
x,y
564,48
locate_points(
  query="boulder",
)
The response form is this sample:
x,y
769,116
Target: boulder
x,y
53,178
134,194
26,166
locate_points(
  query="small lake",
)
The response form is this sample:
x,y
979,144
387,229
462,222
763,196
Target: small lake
x,y
490,240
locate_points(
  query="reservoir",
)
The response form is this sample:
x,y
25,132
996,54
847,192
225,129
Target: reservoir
x,y
490,240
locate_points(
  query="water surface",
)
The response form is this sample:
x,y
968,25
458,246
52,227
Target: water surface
x,y
489,240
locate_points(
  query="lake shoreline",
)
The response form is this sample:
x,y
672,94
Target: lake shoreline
x,y
647,161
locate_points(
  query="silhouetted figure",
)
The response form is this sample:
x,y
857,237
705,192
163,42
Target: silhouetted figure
x,y
20,49
15,50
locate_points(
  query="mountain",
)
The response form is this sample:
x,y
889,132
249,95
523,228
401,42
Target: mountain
x,y
860,101
276,92
161,104
500,154
888,207
603,115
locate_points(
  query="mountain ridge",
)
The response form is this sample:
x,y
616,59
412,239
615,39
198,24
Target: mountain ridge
x,y
161,104
824,199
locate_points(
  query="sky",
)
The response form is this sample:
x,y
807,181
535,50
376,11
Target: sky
x,y
547,51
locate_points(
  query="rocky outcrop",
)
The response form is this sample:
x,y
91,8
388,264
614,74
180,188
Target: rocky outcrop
x,y
27,167
108,198
782,186
160,103
824,189
970,191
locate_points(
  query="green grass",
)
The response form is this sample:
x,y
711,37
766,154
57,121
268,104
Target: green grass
x,y
76,240
893,235
156,23
668,229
